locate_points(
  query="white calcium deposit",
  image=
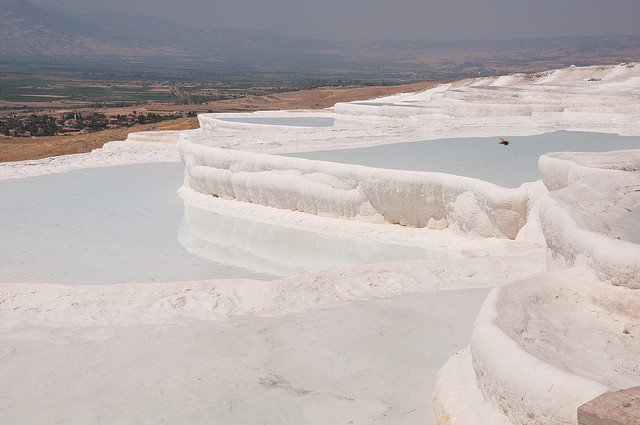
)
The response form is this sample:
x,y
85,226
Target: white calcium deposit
x,y
545,345
111,154
411,199
598,99
359,343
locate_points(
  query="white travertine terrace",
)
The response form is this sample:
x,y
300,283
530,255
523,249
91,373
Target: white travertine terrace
x,y
561,169
576,224
597,99
412,199
547,344
541,346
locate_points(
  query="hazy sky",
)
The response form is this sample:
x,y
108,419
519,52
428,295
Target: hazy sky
x,y
390,19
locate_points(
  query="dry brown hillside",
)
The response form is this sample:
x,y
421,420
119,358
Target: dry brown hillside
x,y
19,149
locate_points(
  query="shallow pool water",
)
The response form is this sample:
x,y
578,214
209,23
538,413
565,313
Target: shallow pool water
x,y
122,224
103,225
483,158
283,121
283,251
627,226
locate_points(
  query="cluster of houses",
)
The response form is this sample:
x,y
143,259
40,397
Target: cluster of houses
x,y
74,122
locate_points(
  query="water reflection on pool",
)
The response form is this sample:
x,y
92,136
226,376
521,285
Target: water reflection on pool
x,y
280,250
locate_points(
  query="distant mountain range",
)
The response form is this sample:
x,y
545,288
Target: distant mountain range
x,y
28,30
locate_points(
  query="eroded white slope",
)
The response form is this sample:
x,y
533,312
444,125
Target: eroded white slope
x,y
577,223
545,345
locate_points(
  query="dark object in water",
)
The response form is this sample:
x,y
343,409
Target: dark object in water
x,y
504,141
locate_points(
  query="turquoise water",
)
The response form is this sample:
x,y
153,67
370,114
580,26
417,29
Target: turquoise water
x,y
122,224
102,225
483,158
